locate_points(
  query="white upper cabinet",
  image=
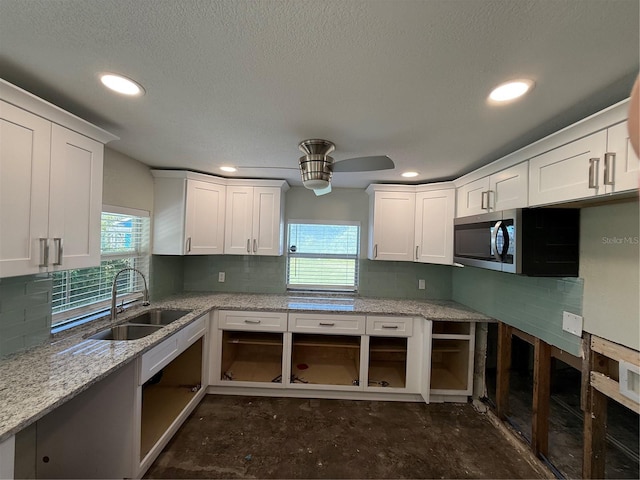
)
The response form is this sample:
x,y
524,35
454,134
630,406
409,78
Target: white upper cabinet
x,y
569,172
601,163
254,223
434,226
411,223
501,191
620,162
391,225
50,186
189,210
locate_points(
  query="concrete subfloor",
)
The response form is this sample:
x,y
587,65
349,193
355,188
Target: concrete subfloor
x,y
262,437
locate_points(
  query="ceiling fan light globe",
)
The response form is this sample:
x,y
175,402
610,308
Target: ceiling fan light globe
x,y
315,184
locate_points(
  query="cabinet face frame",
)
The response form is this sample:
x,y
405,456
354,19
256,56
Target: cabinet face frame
x,y
468,341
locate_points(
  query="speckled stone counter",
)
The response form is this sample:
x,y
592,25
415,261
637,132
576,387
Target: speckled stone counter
x,y
35,382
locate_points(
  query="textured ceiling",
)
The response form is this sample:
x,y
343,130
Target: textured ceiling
x,y
243,82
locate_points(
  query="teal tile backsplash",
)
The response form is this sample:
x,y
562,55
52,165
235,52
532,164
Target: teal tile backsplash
x,y
400,280
25,312
166,276
531,304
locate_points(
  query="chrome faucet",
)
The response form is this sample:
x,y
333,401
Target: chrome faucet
x,y
114,291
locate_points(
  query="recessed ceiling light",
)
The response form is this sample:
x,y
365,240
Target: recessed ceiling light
x,y
510,90
410,174
122,85
228,169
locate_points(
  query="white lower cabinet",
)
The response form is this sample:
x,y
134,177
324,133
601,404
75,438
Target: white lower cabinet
x,y
117,427
7,457
452,352
333,355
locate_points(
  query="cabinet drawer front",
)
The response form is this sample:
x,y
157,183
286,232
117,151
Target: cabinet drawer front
x,y
342,324
256,321
390,326
155,359
193,331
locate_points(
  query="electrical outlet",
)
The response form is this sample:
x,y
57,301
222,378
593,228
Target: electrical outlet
x,y
572,323
421,285
221,276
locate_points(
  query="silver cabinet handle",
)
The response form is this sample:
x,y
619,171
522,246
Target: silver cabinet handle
x,y
44,252
255,246
248,245
416,252
60,251
326,324
375,251
390,327
490,205
593,172
482,200
609,168
188,244
254,322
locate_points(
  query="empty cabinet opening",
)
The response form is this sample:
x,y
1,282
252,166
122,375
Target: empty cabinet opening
x,y
387,362
451,328
450,364
167,393
251,357
325,359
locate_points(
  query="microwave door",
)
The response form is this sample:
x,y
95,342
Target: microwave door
x,y
503,243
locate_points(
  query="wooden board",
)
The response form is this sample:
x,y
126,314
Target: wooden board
x,y
615,351
160,407
444,379
254,370
394,373
335,367
611,389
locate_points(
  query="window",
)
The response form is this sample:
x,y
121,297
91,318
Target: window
x,y
124,243
323,256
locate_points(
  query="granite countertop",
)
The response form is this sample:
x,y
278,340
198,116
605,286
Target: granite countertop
x,y
36,381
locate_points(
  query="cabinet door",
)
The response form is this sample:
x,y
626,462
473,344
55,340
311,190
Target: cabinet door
x,y
509,188
434,226
393,226
621,159
238,221
205,218
75,199
24,189
267,222
472,198
562,174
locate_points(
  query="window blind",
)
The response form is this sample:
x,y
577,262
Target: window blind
x,y
323,256
124,243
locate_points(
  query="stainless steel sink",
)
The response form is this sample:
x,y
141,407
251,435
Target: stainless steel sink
x,y
158,317
126,331
141,325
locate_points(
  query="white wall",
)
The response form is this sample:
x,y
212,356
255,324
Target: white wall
x,y
610,267
126,182
344,204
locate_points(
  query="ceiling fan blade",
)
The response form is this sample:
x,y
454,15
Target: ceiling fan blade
x,y
265,166
364,164
322,191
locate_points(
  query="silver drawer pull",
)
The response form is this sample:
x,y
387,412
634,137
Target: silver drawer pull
x,y
391,327
254,322
327,324
44,252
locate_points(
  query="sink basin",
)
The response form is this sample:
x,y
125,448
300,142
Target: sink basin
x,y
158,317
126,331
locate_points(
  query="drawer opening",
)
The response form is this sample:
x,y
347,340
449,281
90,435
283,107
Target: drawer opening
x,y
325,359
387,362
450,364
251,357
451,328
167,393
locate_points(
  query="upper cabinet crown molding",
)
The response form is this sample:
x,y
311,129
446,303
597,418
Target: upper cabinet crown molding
x,y
27,101
598,121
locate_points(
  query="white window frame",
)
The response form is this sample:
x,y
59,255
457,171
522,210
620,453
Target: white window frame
x,y
81,314
325,288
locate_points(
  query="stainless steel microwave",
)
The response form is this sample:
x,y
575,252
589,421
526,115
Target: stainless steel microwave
x,y
532,241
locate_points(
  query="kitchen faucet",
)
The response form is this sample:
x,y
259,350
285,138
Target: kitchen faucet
x,y
114,291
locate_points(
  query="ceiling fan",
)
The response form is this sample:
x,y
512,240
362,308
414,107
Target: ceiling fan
x,y
317,167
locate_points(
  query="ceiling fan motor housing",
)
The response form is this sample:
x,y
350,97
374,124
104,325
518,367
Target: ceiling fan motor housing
x,y
316,167
316,171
